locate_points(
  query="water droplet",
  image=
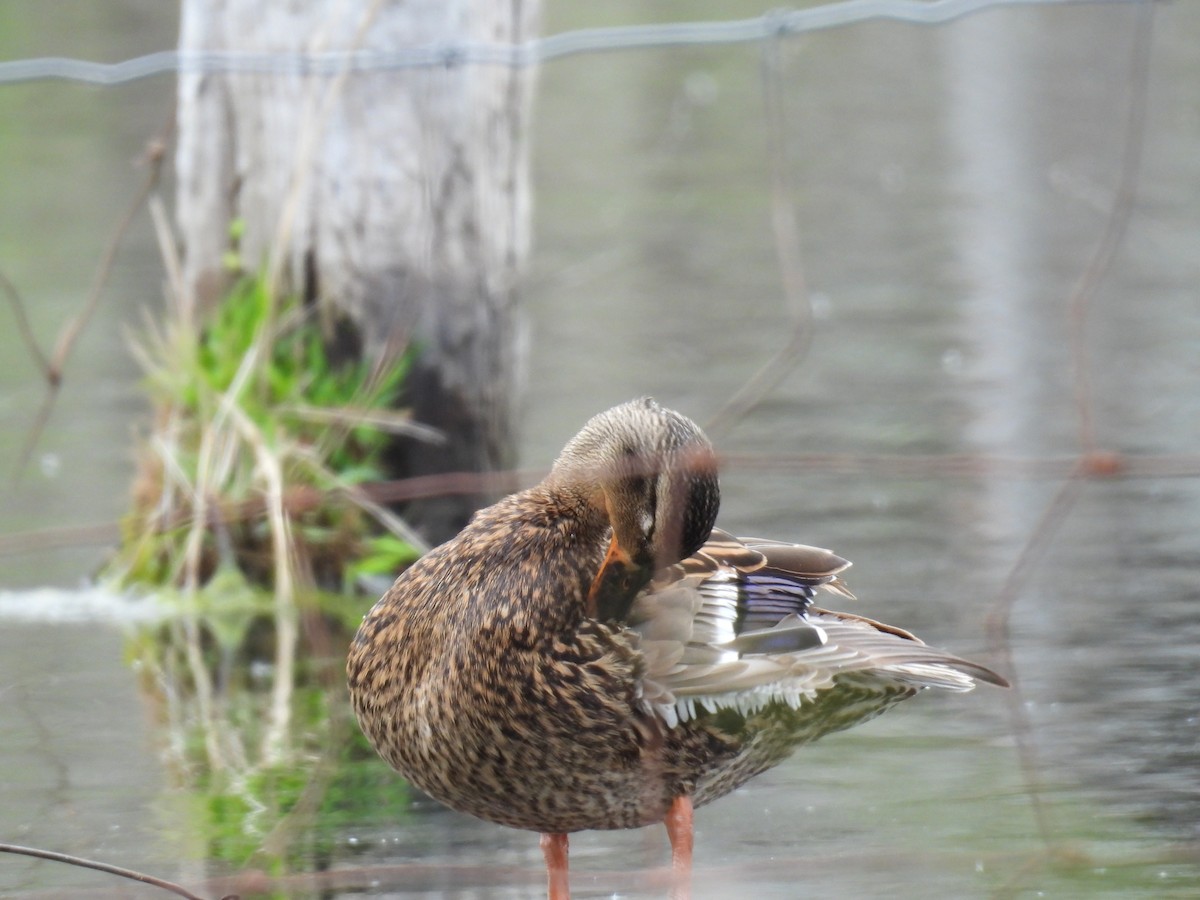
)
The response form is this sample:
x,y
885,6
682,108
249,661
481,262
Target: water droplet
x,y
952,361
821,305
700,88
50,464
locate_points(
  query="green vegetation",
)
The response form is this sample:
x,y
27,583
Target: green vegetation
x,y
238,796
252,519
261,444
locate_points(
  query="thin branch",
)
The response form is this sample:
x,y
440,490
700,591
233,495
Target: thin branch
x,y
1080,301
54,366
169,252
27,335
786,232
998,622
388,519
108,868
391,421
156,152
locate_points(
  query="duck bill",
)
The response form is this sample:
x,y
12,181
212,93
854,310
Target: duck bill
x,y
615,585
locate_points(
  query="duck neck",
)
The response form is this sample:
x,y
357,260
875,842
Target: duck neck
x,y
539,552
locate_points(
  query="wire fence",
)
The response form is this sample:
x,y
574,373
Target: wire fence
x,y
1066,475
776,24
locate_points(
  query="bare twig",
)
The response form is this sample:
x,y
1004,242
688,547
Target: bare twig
x,y
106,867
168,250
385,517
998,627
54,538
55,365
1080,301
391,421
156,151
27,335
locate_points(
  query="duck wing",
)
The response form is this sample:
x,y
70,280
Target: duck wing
x,y
735,627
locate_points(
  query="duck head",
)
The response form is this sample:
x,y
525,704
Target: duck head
x,y
651,473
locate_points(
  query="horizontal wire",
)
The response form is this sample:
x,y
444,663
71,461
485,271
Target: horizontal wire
x,y
778,23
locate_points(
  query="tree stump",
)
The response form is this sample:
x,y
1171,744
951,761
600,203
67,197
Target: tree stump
x,y
397,199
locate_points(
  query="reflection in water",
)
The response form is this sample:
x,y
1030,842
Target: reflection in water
x,y
266,766
995,227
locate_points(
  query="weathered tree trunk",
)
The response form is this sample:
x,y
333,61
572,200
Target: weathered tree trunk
x,y
399,198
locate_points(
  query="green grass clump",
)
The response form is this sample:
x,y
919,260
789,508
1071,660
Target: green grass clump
x,y
252,507
261,443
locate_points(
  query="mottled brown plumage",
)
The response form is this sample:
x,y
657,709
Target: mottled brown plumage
x,y
590,653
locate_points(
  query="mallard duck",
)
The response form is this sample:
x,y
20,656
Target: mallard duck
x,y
590,653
